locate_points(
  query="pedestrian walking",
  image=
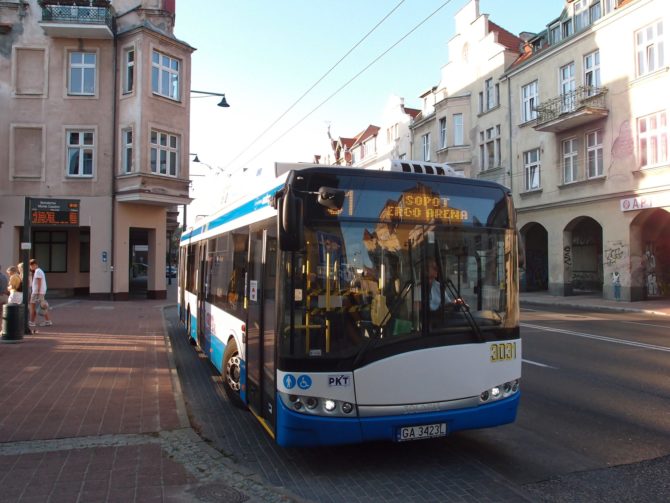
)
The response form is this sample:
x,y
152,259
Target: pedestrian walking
x,y
15,287
38,291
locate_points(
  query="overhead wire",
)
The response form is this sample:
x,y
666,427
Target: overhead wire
x,y
375,60
352,49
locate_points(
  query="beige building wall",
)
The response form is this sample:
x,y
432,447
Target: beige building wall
x,y
571,207
120,201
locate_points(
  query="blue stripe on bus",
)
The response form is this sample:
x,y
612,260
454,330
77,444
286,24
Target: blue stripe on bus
x,y
300,430
260,202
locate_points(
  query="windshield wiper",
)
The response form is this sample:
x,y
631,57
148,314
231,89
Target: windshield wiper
x,y
465,309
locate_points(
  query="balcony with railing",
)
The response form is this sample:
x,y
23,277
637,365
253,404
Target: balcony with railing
x,y
570,110
92,19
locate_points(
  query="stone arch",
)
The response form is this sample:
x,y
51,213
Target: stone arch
x,y
583,256
536,272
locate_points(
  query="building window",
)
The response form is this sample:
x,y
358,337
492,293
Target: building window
x,y
127,139
50,250
531,166
649,45
425,146
652,132
84,250
529,101
489,148
458,129
581,14
491,94
566,28
164,153
443,132
128,70
594,11
567,76
592,72
608,6
82,73
80,150
594,153
392,134
164,75
569,160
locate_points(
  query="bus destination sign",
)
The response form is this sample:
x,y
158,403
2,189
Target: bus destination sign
x,y
54,212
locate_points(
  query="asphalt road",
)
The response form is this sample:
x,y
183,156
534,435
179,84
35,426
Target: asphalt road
x,y
593,425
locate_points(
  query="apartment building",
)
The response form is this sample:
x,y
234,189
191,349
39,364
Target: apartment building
x,y
589,137
94,124
465,118
376,146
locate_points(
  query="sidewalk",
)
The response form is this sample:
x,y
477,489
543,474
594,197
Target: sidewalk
x,y
595,303
91,410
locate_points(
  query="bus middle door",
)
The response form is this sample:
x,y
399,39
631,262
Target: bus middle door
x,y
260,324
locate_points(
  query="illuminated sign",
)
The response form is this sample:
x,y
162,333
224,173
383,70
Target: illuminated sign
x,y
423,207
54,212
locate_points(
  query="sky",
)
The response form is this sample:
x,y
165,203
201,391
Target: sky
x,y
266,54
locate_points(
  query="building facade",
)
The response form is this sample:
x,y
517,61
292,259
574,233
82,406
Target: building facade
x,y
465,117
376,146
589,136
94,109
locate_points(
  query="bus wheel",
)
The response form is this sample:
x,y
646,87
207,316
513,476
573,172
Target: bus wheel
x,y
231,373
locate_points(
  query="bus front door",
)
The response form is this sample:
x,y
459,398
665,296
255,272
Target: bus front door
x,y
260,324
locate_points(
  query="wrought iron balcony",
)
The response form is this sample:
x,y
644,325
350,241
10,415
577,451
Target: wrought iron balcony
x,y
574,109
78,19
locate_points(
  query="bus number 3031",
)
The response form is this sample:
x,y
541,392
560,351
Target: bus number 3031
x,y
503,351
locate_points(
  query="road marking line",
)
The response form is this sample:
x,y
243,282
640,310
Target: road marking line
x,y
600,338
530,362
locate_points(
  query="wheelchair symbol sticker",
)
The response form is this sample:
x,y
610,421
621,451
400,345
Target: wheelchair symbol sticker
x,y
304,382
289,381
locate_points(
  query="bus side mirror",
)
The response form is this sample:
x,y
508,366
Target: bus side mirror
x,y
289,222
331,198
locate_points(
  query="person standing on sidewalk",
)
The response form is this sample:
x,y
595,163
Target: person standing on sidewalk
x,y
15,286
39,290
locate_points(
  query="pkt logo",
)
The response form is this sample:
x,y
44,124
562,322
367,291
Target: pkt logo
x,y
341,380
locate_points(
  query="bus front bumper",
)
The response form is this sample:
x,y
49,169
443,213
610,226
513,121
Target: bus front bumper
x,y
302,430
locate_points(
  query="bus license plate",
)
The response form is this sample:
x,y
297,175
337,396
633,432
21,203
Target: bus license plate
x,y
423,431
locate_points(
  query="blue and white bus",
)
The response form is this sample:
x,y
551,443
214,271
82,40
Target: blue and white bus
x,y
307,298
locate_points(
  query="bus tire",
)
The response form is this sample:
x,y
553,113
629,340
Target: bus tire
x,y
231,373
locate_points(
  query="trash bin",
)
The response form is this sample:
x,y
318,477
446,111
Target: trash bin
x,y
12,323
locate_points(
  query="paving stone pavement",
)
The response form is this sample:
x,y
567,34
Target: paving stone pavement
x,y
91,410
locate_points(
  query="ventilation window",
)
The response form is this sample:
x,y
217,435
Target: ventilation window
x,y
429,170
439,170
417,168
406,167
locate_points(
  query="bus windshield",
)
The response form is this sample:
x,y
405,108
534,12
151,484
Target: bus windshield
x,y
361,278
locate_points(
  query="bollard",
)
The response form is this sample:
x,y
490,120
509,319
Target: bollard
x,y
12,323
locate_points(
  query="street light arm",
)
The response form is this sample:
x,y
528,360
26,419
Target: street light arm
x,y
223,103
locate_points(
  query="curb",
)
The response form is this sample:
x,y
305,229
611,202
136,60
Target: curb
x,y
592,307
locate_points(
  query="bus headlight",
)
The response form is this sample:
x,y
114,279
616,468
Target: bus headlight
x,y
500,391
318,406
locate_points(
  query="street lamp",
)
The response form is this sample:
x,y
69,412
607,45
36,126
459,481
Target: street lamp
x,y
223,103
